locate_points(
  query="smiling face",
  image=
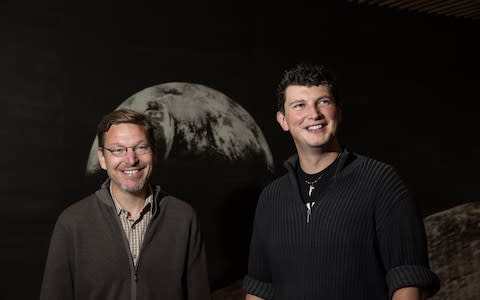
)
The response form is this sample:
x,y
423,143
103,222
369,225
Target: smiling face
x,y
128,173
312,117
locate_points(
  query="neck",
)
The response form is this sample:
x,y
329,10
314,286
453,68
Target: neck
x,y
315,159
316,164
133,202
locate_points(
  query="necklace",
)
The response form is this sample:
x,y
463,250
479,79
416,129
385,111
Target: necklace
x,y
311,186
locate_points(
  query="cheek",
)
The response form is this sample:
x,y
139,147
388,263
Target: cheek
x,y
150,159
111,163
297,119
333,114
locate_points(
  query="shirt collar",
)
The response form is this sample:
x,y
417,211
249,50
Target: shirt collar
x,y
119,208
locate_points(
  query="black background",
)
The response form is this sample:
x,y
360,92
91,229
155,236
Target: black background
x,y
409,82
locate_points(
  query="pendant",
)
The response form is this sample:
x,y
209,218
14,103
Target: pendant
x,y
310,185
310,189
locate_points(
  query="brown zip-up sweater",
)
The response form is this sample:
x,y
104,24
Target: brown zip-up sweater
x,y
89,256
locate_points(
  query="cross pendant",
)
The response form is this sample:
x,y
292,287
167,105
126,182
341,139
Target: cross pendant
x,y
310,189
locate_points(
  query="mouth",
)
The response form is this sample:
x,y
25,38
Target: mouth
x,y
131,172
315,127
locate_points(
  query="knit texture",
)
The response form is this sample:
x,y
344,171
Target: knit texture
x,y
364,239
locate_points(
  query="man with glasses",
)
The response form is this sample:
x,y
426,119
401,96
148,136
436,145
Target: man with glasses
x,y
129,239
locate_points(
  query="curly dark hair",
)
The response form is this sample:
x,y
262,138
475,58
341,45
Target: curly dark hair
x,y
306,75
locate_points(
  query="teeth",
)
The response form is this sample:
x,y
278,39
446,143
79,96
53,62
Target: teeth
x,y
315,127
130,172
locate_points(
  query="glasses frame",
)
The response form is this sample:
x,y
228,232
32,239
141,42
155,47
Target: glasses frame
x,y
124,149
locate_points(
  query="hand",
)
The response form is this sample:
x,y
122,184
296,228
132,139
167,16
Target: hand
x,y
409,293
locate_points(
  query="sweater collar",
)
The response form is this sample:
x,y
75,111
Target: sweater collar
x,y
292,163
104,195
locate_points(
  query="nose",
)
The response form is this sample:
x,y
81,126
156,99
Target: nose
x,y
131,157
314,111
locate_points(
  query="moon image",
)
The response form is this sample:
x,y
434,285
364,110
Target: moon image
x,y
196,120
212,154
454,250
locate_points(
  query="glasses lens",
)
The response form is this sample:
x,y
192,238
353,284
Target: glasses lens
x,y
142,149
121,151
118,151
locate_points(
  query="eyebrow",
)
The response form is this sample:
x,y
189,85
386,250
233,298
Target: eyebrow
x,y
305,100
122,145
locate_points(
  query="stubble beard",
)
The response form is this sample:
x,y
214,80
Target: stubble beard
x,y
134,189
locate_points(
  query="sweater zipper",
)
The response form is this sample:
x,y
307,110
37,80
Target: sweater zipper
x,y
309,210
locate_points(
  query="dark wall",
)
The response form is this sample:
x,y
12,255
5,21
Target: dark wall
x,y
409,82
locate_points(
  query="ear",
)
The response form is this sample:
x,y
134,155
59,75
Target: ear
x,y
281,119
101,159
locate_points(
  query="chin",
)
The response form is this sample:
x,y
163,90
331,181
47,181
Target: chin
x,y
133,189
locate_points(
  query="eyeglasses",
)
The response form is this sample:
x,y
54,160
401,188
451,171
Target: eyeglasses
x,y
121,151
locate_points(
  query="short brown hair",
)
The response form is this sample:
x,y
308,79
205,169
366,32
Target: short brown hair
x,y
122,116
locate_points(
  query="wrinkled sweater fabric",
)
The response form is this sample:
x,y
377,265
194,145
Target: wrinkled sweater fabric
x,y
363,239
89,256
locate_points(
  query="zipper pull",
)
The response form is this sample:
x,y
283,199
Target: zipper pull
x,y
309,210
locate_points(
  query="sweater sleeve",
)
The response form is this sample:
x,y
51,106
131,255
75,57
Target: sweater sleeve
x,y
258,280
196,273
402,239
57,278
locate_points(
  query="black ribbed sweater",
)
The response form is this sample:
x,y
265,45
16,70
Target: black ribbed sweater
x,y
364,238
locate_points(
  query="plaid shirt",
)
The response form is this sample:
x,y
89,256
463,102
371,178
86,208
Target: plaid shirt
x,y
134,228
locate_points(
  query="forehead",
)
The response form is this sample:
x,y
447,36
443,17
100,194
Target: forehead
x,y
125,133
301,92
